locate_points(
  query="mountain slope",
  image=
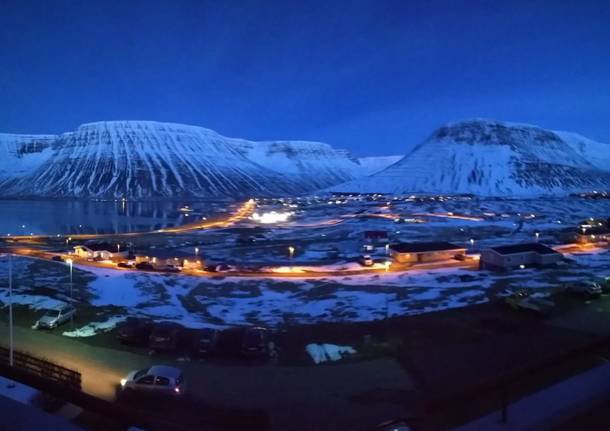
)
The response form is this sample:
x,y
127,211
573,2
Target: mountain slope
x,y
140,159
493,158
373,164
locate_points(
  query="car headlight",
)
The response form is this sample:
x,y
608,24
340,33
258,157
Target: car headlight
x,y
123,381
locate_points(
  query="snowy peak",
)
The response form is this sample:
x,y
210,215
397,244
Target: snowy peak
x,y
494,158
142,159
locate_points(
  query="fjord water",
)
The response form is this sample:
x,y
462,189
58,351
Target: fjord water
x,y
51,217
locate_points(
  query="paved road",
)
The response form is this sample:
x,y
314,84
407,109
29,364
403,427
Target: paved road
x,y
298,398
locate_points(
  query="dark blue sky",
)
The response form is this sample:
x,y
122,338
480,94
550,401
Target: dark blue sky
x,y
375,76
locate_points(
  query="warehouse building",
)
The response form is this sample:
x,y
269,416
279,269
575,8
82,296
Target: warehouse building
x,y
509,257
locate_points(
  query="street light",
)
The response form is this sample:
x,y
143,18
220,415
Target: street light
x,y
10,307
291,251
196,251
472,242
118,248
537,236
69,262
386,265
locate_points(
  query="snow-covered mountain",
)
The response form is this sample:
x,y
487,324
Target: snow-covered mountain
x,y
494,158
373,164
141,159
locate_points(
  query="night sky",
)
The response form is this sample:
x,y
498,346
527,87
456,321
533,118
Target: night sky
x,y
375,77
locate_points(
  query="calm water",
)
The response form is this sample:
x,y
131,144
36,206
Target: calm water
x,y
63,217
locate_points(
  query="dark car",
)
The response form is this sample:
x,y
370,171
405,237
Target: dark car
x,y
205,341
134,330
57,258
126,265
144,266
171,268
165,336
255,341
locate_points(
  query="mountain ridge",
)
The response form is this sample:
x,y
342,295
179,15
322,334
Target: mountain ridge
x,y
494,158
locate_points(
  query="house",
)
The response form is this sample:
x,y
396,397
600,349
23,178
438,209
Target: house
x,y
420,252
163,258
593,234
508,257
101,251
376,237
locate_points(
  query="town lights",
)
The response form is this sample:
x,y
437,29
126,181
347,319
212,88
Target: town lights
x,y
271,217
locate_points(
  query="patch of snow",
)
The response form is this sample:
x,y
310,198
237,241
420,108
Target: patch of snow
x,y
94,328
328,352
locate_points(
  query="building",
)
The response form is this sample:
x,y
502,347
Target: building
x,y
420,252
508,257
100,251
376,237
163,258
594,234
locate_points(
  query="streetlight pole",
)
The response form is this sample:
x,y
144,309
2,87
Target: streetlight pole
x,y
69,261
10,307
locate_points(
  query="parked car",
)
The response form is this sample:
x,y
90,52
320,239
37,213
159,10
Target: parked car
x,y
58,258
55,317
604,283
589,289
158,379
164,336
394,425
365,260
171,268
145,266
255,341
205,341
521,300
126,265
224,268
134,330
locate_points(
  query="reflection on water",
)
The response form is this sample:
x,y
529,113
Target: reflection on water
x,y
63,217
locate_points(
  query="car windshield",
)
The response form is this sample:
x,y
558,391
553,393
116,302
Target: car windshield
x,y
51,313
140,373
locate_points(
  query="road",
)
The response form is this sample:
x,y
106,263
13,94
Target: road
x,y
297,398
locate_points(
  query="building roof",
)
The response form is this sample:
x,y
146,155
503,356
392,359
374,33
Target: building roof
x,y
535,247
375,234
423,247
105,246
164,253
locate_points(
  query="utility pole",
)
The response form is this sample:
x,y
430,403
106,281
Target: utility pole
x,y
10,308
69,261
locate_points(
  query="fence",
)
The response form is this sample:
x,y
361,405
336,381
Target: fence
x,y
42,368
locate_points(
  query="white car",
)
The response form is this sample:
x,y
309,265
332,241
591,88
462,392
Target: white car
x,y
366,260
589,289
55,317
158,379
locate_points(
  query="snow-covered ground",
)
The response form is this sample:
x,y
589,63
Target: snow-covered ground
x,y
222,301
326,235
